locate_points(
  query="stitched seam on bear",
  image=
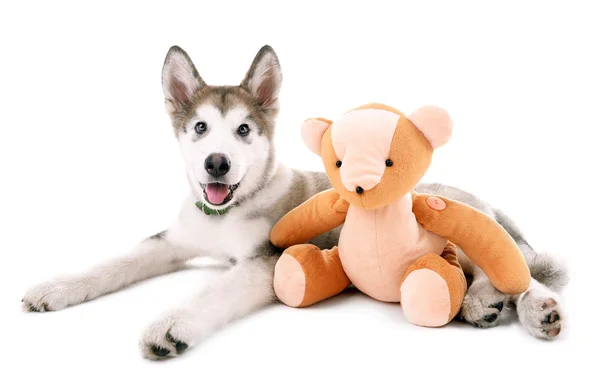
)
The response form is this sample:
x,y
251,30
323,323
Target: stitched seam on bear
x,y
429,267
377,247
449,299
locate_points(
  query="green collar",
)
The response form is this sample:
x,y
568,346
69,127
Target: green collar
x,y
211,212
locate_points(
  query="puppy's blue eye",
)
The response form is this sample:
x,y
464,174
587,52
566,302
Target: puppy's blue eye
x,y
200,127
243,130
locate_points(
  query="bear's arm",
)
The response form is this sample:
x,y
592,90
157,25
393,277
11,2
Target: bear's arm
x,y
482,239
319,214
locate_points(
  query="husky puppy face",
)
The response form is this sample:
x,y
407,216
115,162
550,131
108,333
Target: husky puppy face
x,y
225,132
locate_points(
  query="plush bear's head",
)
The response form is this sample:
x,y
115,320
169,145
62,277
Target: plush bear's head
x,y
375,154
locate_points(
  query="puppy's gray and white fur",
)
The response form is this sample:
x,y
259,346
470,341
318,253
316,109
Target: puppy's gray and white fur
x,y
539,308
261,191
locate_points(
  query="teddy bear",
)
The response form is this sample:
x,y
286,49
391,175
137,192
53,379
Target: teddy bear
x,y
395,245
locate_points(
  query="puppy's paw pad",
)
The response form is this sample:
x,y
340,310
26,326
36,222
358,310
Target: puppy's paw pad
x,y
167,337
160,352
541,314
180,346
552,317
490,317
498,306
554,332
549,303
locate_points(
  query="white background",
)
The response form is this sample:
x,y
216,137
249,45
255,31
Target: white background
x,y
89,167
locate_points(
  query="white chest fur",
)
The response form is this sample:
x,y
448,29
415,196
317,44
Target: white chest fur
x,y
229,236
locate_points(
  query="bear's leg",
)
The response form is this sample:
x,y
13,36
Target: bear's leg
x,y
305,275
433,289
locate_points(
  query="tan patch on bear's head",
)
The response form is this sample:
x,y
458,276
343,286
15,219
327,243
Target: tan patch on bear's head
x,y
409,151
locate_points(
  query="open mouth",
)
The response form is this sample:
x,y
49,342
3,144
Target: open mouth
x,y
218,193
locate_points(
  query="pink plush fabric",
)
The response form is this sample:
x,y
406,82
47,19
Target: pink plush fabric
x,y
436,203
363,162
290,282
434,123
425,298
312,131
377,247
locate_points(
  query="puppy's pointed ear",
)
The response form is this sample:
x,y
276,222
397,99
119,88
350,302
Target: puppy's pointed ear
x,y
263,79
312,133
180,79
434,123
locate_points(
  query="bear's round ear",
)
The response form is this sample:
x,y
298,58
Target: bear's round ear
x,y
312,133
434,122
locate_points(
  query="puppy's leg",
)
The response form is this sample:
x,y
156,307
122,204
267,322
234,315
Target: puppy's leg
x,y
154,256
243,289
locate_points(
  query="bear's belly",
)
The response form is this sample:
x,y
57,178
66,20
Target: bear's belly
x,y
377,246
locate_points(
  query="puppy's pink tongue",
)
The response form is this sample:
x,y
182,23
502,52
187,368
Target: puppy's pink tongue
x,y
216,192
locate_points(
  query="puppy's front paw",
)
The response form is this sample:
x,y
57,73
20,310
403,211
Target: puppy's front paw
x,y
169,336
540,312
54,295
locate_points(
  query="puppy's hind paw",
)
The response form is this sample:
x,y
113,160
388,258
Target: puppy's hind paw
x,y
483,305
541,314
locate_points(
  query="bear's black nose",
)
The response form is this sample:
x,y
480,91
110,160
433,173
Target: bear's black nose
x,y
359,190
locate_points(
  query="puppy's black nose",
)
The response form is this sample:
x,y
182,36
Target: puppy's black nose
x,y
217,165
359,190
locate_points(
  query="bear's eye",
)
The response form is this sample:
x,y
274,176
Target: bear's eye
x,y
389,162
338,163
